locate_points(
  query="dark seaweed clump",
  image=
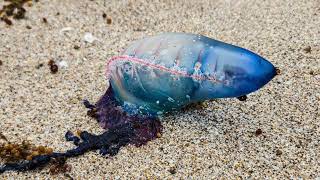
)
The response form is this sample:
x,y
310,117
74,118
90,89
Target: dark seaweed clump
x,y
14,9
12,152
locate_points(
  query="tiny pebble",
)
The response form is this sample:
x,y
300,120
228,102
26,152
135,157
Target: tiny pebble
x,y
258,132
109,20
307,49
172,170
278,152
54,69
76,47
44,20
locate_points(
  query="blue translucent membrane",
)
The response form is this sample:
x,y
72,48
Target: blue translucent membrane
x,y
166,72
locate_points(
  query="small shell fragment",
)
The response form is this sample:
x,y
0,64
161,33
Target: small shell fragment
x,y
66,29
88,37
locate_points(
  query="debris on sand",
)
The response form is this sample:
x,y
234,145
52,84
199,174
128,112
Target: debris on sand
x,y
53,66
88,37
13,9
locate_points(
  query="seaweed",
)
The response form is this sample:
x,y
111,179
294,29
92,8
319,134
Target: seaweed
x,y
13,9
13,152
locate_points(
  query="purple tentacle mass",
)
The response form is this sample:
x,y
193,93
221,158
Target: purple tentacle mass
x,y
110,115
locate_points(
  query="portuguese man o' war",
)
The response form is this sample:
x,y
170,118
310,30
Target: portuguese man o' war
x,y
165,72
157,75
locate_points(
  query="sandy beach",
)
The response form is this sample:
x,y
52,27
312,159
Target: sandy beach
x,y
275,134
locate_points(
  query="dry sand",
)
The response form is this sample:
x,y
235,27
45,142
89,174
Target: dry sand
x,y
217,141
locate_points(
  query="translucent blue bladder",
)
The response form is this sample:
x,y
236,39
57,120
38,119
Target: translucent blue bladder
x,y
168,71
